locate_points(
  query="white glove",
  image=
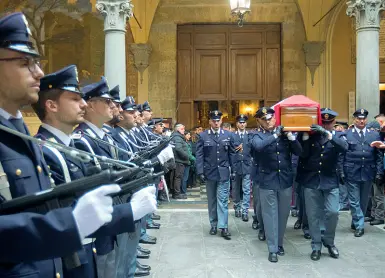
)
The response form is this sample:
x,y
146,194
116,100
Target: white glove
x,y
143,202
166,155
305,136
290,136
94,209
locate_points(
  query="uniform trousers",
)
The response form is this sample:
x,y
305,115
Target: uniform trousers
x,y
217,197
378,211
344,198
126,253
257,205
106,264
322,208
275,206
302,215
242,184
358,198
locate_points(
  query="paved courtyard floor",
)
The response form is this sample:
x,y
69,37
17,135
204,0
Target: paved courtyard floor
x,y
185,249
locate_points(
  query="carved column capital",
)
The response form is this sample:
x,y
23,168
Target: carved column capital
x,y
141,53
313,51
367,12
115,13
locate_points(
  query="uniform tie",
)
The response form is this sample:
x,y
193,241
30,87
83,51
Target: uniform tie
x,y
18,123
241,136
362,134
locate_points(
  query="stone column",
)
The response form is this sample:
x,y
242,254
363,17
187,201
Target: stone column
x,y
367,14
115,14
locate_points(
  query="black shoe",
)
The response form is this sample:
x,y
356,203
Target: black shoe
x,y
368,219
143,266
315,255
261,235
141,273
245,218
237,214
294,213
281,251
213,231
352,227
307,236
155,217
344,209
273,257
147,241
143,250
377,222
225,234
255,223
333,251
141,255
297,225
152,226
359,233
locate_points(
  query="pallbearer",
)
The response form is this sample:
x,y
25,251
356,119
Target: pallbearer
x,y
321,157
275,149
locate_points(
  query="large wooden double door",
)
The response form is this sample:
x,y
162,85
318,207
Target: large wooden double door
x,y
224,63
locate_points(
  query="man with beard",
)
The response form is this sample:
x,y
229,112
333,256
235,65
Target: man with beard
x,y
61,108
114,93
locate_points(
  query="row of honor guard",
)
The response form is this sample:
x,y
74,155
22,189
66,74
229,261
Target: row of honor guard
x,y
104,232
263,158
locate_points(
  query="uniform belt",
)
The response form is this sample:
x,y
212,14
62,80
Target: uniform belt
x,y
87,241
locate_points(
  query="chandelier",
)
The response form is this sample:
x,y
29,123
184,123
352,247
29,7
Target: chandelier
x,y
240,8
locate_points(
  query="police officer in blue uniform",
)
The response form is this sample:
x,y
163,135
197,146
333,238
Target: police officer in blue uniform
x,y
275,150
319,177
60,108
114,93
362,165
214,156
242,166
61,231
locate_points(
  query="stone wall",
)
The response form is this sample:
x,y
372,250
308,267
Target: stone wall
x,y
170,13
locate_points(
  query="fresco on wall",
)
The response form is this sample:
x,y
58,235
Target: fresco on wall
x,y
68,32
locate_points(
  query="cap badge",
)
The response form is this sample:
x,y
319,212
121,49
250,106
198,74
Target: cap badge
x,y
362,111
264,111
216,113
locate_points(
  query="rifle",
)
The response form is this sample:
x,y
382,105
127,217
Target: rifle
x,y
147,155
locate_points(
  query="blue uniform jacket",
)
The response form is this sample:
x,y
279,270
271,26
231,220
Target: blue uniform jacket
x,y
243,161
362,162
214,156
320,159
21,234
122,218
254,154
275,165
104,245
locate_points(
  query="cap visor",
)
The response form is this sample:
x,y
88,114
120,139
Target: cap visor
x,y
23,48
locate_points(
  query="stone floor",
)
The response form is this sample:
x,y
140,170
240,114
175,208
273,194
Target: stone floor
x,y
185,249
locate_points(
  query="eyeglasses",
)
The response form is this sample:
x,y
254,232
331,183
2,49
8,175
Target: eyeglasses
x,y
33,63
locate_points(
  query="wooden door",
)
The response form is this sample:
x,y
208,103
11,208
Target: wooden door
x,y
225,62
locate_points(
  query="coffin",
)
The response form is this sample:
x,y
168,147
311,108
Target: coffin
x,y
297,113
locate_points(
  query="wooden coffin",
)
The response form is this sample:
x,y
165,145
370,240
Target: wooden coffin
x,y
298,118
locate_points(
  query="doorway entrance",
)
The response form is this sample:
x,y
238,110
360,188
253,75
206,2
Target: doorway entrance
x,y
237,68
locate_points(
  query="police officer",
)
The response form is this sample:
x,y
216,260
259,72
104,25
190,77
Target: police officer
x,y
321,152
61,108
362,165
242,166
214,155
27,173
276,177
114,93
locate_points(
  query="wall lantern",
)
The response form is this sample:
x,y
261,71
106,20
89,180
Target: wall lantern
x,y
240,8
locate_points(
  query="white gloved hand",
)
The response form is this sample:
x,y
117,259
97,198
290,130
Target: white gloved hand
x,y
143,202
94,209
290,136
305,136
166,155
